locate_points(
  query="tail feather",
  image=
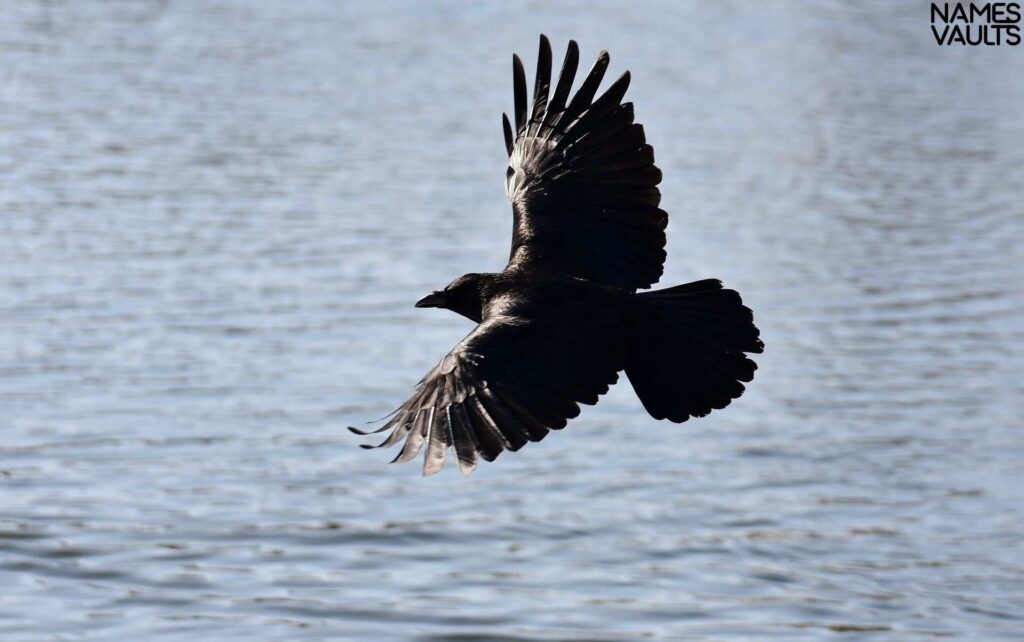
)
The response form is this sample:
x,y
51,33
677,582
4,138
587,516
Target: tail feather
x,y
686,356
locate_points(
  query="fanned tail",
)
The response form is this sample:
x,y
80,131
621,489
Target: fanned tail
x,y
686,356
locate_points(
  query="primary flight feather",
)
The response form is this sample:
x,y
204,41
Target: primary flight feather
x,y
556,327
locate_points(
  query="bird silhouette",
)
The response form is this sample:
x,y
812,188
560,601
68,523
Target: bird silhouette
x,y
556,327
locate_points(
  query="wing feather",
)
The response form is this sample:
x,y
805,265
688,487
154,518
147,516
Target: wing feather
x,y
508,433
519,84
565,78
510,382
419,432
533,424
542,84
526,425
507,129
464,438
437,441
490,442
585,95
581,170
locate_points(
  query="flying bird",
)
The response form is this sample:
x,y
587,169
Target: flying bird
x,y
555,328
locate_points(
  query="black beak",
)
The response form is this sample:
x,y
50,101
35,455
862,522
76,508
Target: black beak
x,y
433,300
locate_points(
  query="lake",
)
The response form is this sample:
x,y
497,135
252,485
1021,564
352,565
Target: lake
x,y
216,218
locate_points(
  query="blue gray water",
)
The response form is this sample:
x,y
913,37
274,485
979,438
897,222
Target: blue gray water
x,y
215,217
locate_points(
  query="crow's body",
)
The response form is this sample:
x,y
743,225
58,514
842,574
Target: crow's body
x,y
556,327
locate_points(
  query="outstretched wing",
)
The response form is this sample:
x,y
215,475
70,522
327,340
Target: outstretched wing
x,y
582,179
507,383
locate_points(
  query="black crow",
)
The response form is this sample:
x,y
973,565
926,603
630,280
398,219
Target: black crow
x,y
558,324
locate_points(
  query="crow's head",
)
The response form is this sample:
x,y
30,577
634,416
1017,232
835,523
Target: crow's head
x,y
463,295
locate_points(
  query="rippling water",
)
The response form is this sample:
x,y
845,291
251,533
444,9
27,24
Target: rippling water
x,y
216,217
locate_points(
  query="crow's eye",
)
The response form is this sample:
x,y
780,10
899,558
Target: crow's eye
x,y
509,173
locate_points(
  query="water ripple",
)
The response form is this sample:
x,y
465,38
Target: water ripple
x,y
217,217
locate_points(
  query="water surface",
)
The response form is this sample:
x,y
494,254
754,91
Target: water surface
x,y
216,217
